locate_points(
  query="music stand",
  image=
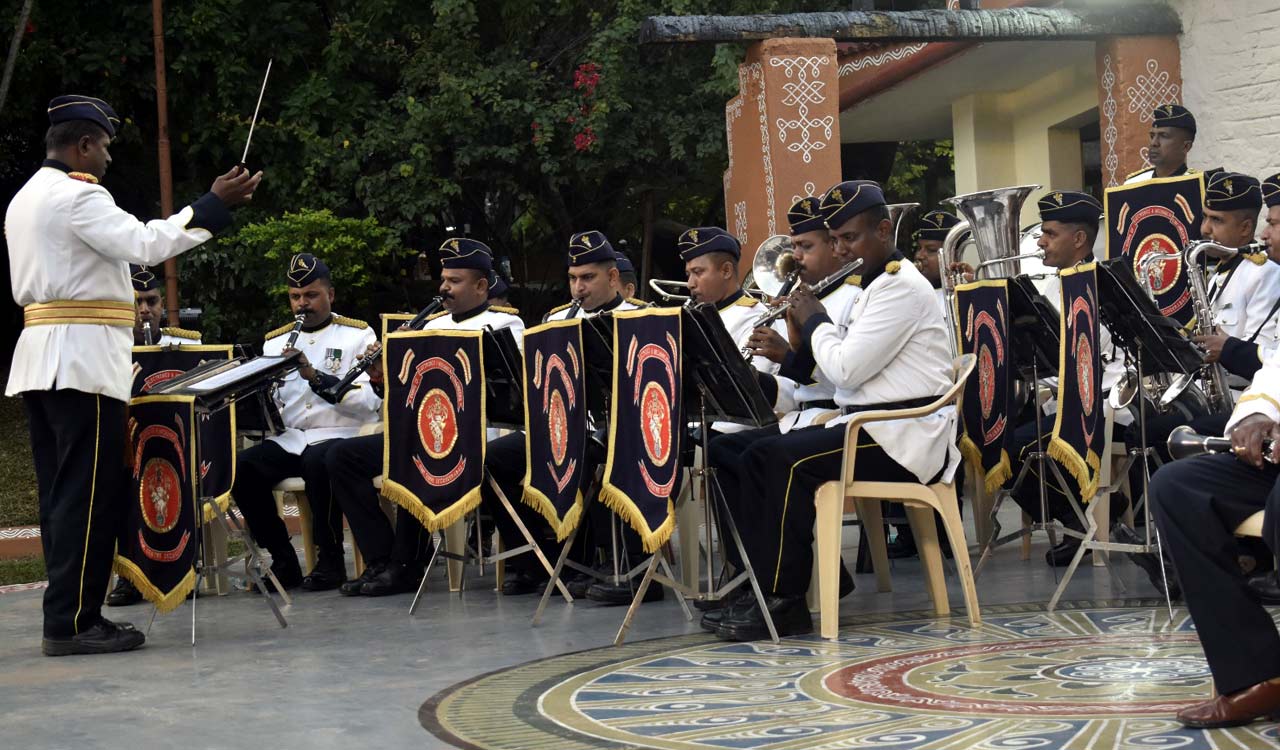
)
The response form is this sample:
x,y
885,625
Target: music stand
x,y
1150,340
718,378
1034,339
504,384
214,386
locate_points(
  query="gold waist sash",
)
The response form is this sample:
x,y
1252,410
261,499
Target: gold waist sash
x,y
91,312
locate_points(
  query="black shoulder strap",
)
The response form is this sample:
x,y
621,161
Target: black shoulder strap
x,y
1274,306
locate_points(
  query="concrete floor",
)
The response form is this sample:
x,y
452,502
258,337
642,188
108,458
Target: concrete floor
x,y
353,673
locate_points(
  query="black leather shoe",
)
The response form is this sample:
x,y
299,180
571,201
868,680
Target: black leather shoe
x,y
106,637
520,582
1060,555
124,594
352,587
623,593
326,576
902,548
1148,561
286,570
578,583
736,599
395,578
790,617
1265,586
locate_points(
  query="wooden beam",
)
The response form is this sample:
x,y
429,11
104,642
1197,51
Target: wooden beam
x,y
1002,25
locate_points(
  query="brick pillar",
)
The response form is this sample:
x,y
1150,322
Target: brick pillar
x,y
783,132
1135,75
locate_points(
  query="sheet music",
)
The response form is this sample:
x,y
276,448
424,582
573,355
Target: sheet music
x,y
244,371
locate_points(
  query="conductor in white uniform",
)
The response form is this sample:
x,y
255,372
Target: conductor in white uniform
x,y
69,252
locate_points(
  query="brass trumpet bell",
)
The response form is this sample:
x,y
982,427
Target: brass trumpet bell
x,y
774,262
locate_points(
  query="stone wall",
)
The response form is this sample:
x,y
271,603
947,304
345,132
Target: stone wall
x,y
1231,82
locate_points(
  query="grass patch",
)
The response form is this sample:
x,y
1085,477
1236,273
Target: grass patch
x,y
22,570
19,503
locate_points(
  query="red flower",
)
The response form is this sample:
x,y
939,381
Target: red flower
x,y
585,140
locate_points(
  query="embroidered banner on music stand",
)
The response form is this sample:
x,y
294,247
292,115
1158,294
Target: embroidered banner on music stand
x,y
555,415
1151,219
434,423
1078,429
644,422
982,314
157,551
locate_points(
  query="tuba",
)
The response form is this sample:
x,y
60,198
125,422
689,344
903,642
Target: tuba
x,y
898,213
993,218
774,270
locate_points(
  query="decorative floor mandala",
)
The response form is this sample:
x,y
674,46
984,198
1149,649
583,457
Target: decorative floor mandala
x,y
1091,676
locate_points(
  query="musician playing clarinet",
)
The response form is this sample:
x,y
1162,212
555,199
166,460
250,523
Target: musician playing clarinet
x,y
1198,503
395,558
330,345
70,248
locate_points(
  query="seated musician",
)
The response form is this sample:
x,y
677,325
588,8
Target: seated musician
x,y
330,345
891,352
627,279
395,558
150,312
710,256
1069,226
934,228
594,284
1198,503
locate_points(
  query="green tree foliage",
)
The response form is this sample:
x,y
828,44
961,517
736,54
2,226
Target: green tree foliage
x,y
516,122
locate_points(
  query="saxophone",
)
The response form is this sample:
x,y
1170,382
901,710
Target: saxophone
x,y
1213,377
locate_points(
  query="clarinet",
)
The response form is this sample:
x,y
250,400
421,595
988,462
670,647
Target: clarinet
x,y
335,392
293,334
574,307
146,333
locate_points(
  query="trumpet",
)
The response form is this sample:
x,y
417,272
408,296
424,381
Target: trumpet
x,y
664,289
1185,443
146,333
822,287
334,393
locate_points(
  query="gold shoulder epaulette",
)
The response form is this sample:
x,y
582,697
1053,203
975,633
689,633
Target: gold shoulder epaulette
x,y
1135,174
279,331
440,314
555,310
181,333
1257,259
637,302
892,266
504,309
746,300
1192,170
343,320
854,280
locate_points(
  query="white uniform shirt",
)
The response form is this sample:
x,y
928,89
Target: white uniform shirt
x,y
1143,175
839,304
177,337
69,241
1263,395
331,349
895,349
739,312
487,317
1243,305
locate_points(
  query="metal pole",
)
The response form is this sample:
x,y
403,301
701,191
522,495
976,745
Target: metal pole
x,y
162,155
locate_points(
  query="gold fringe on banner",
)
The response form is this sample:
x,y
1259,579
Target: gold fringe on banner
x,y
1079,468
541,503
617,501
165,602
431,520
997,476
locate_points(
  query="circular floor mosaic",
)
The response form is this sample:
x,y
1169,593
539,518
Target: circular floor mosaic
x,y
1089,676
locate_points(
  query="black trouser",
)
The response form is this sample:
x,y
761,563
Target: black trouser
x,y
353,463
772,482
265,465
1197,503
78,447
505,461
1023,442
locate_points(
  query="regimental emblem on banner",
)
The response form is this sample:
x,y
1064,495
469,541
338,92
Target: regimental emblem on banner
x,y
157,551
434,423
1078,437
155,365
555,423
982,312
1150,223
644,442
